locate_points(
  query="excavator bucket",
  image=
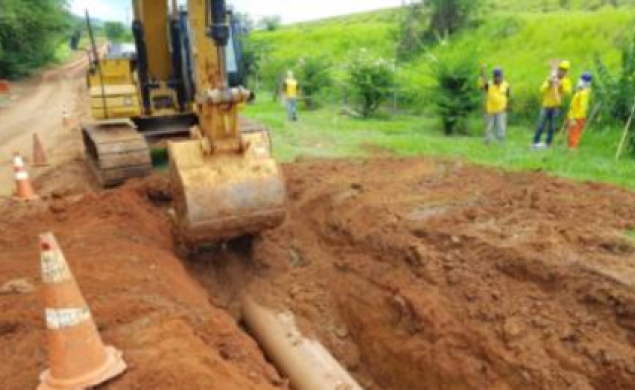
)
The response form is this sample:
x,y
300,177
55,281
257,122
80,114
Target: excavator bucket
x,y
224,196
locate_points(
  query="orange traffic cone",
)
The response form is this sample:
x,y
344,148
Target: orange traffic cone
x,y
39,155
77,355
24,189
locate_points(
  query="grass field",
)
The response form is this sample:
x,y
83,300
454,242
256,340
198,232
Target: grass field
x,y
519,39
520,35
324,133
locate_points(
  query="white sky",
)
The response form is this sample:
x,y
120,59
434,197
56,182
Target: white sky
x,y
290,10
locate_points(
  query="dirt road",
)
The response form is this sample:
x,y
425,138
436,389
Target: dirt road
x,y
39,109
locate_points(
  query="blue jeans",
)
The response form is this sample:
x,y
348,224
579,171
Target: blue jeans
x,y
548,116
292,109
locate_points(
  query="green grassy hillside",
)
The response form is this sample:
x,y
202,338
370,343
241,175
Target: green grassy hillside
x,y
517,34
334,37
523,42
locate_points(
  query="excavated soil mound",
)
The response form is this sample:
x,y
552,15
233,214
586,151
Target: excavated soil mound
x,y
417,274
425,275
119,247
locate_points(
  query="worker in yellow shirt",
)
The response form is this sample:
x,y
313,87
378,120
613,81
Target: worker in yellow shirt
x,y
498,94
579,109
554,91
290,88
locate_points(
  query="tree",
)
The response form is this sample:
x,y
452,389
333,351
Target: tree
x,y
115,31
616,90
411,30
454,96
371,80
251,58
270,23
30,32
450,16
314,74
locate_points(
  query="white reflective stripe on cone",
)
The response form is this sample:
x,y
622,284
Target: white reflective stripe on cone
x,y
18,162
57,319
54,270
22,175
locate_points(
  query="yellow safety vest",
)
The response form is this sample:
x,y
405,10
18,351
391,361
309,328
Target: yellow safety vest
x,y
291,88
580,104
497,97
549,97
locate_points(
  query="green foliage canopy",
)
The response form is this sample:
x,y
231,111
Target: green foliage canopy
x,y
30,31
116,32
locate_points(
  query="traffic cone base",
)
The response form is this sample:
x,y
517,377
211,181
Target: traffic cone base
x,y
113,367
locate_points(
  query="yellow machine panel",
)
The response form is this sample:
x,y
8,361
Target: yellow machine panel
x,y
121,101
154,17
114,72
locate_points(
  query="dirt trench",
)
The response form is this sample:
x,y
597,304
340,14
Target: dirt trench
x,y
417,274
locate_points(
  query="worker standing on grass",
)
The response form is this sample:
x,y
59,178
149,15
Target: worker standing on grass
x,y
498,92
579,109
554,90
290,88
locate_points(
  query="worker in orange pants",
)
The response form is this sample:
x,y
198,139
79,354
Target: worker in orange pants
x,y
576,127
579,110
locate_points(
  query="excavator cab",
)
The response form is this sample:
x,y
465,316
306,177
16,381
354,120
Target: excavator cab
x,y
225,182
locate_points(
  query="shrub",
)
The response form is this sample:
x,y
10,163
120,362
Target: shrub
x,y
270,75
454,93
314,75
616,90
371,81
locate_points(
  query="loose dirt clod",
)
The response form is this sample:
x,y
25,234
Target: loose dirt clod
x,y
416,274
18,286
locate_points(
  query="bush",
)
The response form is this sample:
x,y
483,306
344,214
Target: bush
x,y
454,93
371,81
270,75
616,90
314,75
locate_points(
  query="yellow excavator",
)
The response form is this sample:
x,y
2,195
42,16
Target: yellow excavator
x,y
181,86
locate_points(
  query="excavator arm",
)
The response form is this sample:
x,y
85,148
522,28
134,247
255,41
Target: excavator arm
x,y
225,182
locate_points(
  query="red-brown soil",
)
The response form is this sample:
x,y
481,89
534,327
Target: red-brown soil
x,y
119,246
417,274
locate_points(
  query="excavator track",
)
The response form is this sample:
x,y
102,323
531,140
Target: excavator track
x,y
116,152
